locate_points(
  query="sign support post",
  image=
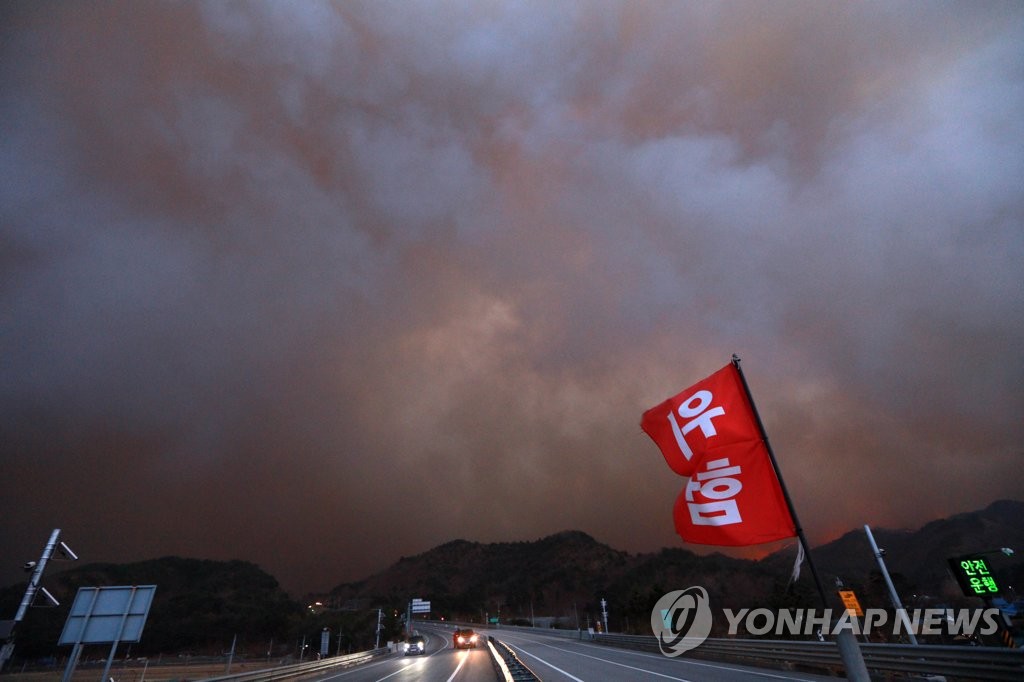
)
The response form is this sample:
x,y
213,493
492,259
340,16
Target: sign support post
x,y
76,651
101,615
120,634
849,650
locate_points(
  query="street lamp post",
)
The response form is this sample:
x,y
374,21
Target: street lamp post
x,y
900,611
37,568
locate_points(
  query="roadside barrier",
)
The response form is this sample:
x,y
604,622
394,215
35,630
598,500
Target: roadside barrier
x,y
286,671
507,664
967,662
973,662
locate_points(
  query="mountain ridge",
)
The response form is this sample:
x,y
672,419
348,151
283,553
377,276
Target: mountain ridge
x,y
561,574
558,580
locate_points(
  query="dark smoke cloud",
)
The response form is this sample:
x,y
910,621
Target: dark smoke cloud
x,y
321,284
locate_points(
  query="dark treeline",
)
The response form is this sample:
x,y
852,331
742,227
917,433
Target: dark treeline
x,y
199,608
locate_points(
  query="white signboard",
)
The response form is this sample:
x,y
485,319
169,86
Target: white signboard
x,y
101,615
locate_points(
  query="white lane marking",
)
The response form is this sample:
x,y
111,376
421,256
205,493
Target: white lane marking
x,y
400,670
404,662
465,657
500,662
604,661
364,666
550,665
651,672
702,664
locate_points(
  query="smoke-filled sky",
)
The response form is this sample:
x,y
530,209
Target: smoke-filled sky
x,y
317,285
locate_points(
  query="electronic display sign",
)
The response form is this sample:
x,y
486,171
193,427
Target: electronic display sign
x,y
974,575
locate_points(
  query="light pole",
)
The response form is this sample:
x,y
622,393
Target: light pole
x,y
37,568
900,611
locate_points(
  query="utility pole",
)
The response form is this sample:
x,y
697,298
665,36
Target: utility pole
x,y
37,568
895,598
231,654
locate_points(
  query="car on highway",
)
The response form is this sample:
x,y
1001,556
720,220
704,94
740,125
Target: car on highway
x,y
464,639
415,645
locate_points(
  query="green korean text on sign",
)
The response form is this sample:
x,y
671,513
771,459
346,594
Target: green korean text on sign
x,y
974,576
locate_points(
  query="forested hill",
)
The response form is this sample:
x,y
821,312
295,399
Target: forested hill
x,y
565,576
200,605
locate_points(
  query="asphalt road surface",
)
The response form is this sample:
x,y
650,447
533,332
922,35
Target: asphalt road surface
x,y
441,663
553,659
560,660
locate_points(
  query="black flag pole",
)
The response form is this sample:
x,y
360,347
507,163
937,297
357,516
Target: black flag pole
x,y
782,484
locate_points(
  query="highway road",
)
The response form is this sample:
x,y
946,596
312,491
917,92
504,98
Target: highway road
x,y
441,663
553,659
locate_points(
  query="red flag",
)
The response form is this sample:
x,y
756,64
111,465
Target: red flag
x,y
709,434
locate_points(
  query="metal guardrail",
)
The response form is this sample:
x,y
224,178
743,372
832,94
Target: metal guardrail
x,y
286,671
509,667
976,663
